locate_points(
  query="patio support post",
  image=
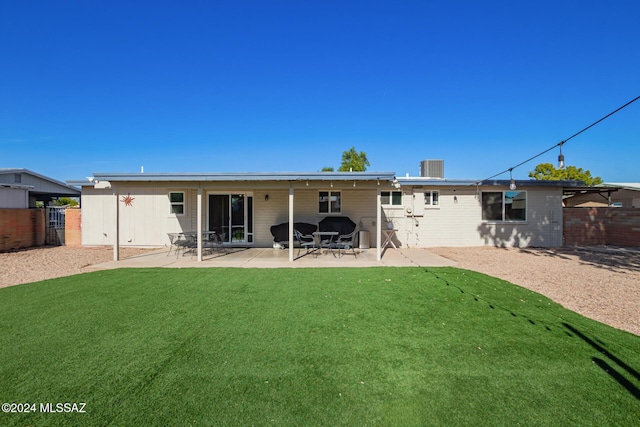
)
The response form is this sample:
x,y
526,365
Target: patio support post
x,y
290,222
199,223
116,232
378,227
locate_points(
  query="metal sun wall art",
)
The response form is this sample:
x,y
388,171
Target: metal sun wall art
x,y
128,200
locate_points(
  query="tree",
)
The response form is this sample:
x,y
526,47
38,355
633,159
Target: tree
x,y
354,161
327,169
548,172
66,201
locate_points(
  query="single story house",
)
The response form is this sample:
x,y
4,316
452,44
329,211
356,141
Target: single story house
x,y
21,188
140,209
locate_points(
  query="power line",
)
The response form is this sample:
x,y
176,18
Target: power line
x,y
561,143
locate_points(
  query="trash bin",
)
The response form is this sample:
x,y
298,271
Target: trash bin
x,y
363,239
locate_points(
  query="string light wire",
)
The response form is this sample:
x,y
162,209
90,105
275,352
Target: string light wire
x,y
561,143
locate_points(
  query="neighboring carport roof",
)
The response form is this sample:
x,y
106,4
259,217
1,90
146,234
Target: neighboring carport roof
x,y
633,186
585,189
43,185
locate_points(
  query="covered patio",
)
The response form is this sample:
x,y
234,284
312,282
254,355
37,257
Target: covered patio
x,y
129,208
278,258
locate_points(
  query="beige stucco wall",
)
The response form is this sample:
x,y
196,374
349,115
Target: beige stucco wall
x,y
145,223
148,220
460,224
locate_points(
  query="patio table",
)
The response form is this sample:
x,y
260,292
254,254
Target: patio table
x,y
326,243
209,240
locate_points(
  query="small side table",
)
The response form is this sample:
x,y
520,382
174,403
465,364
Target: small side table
x,y
388,238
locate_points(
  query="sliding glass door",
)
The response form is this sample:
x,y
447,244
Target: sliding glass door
x,y
231,217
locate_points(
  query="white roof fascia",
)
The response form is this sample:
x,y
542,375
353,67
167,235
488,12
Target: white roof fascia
x,y
443,182
242,176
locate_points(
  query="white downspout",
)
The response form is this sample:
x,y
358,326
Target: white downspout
x,y
378,227
199,223
290,222
116,234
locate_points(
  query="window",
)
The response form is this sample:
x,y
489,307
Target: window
x,y
176,199
329,202
391,198
432,198
17,178
504,206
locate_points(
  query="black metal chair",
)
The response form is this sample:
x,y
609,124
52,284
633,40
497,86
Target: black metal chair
x,y
347,242
173,240
180,242
189,243
306,241
218,243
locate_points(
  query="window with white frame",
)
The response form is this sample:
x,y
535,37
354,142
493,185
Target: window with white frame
x,y
391,198
329,202
504,205
177,200
432,198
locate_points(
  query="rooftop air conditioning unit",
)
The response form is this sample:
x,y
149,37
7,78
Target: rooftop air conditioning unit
x,y
432,168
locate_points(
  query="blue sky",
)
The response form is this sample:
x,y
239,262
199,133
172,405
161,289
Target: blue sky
x,y
93,86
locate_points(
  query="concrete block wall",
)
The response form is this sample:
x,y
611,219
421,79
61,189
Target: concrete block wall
x,y
73,227
21,228
624,229
601,226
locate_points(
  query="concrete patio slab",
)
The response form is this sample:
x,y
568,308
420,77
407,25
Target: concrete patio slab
x,y
277,258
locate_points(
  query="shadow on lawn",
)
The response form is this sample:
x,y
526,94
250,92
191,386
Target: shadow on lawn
x,y
614,259
492,305
571,332
624,382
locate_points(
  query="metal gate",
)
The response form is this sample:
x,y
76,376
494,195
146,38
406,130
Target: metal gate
x,y
54,233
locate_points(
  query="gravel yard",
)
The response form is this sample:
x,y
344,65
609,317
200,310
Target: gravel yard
x,y
34,264
603,284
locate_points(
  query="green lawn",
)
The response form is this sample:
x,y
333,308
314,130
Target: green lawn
x,y
377,346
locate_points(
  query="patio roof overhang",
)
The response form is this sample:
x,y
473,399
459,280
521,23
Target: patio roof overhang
x,y
239,176
431,182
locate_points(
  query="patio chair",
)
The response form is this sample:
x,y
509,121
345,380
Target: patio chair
x,y
188,243
306,241
216,241
347,242
173,239
178,242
